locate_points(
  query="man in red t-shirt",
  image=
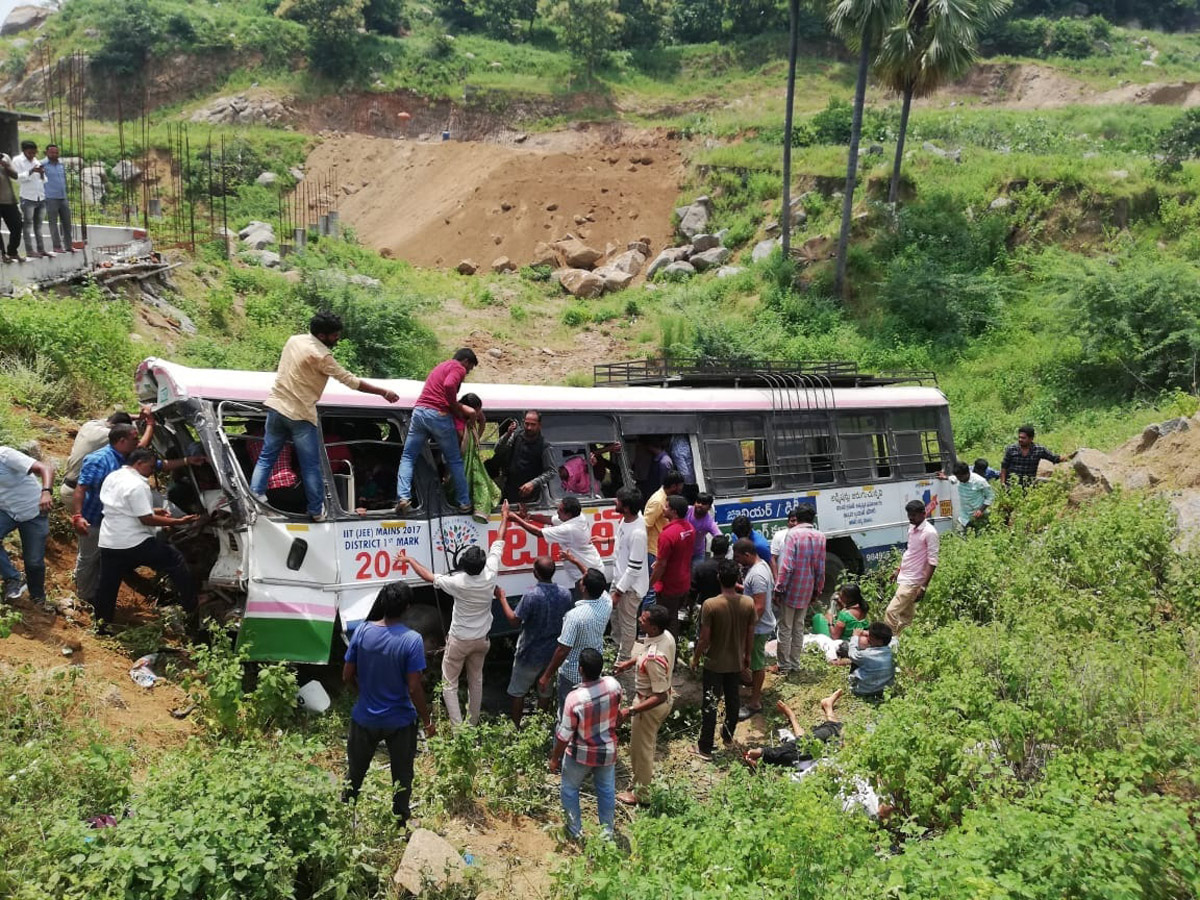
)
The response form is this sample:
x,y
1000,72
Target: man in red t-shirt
x,y
433,417
671,576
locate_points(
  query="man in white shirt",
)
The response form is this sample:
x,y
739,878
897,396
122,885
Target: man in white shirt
x,y
472,586
32,178
571,531
25,497
128,536
779,538
631,578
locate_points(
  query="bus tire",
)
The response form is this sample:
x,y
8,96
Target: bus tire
x,y
835,572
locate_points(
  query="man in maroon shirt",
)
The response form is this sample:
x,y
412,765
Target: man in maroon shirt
x,y
671,576
433,417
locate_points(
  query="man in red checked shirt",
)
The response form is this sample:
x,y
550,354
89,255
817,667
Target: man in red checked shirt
x,y
671,576
433,417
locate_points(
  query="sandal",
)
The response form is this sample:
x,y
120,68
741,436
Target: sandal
x,y
628,798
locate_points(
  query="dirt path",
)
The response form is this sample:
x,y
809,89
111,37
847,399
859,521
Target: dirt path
x,y
434,204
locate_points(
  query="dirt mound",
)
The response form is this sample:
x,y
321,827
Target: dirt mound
x,y
1185,94
435,204
1164,459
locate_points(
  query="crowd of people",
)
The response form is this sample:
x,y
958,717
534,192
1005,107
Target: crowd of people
x,y
34,191
676,575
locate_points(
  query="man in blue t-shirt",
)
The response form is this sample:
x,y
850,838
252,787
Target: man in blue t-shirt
x,y
386,660
540,614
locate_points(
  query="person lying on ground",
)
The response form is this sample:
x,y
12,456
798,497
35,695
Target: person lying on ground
x,y
788,753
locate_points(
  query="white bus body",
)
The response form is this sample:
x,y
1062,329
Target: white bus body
x,y
858,456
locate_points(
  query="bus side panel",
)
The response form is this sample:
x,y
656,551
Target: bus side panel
x,y
289,613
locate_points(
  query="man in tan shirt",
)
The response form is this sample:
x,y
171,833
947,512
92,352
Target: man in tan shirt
x,y
305,366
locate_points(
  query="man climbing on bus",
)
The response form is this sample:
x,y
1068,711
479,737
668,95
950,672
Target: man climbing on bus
x,y
305,366
433,417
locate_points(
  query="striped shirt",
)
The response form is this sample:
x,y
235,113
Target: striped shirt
x,y
589,722
802,568
583,627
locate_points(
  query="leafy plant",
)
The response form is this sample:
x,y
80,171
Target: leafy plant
x,y
223,707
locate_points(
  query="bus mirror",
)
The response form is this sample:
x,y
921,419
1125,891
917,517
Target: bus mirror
x,y
296,555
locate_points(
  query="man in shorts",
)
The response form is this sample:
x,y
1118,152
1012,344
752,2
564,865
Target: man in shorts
x,y
759,586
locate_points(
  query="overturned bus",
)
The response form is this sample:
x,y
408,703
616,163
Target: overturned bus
x,y
761,439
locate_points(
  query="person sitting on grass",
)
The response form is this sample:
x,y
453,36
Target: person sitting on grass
x,y
852,614
872,665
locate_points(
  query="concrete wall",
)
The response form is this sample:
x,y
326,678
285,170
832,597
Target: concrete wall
x,y
105,243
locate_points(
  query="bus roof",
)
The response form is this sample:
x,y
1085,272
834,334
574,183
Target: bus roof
x,y
164,381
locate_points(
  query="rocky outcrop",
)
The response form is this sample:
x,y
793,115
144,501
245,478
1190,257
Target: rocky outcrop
x,y
24,18
576,254
257,235
693,218
243,110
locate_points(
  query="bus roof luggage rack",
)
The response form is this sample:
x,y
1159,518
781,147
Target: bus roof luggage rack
x,y
704,371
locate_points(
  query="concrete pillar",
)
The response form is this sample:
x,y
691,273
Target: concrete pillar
x,y
334,224
323,226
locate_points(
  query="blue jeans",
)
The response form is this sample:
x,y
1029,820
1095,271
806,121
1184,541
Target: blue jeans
x,y
425,424
307,440
33,551
605,779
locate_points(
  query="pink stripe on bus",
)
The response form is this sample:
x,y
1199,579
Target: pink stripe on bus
x,y
319,610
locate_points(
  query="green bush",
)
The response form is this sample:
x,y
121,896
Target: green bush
x,y
256,821
1139,321
224,709
81,340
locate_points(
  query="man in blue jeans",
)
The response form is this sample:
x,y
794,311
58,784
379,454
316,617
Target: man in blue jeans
x,y
585,743
433,417
305,367
26,493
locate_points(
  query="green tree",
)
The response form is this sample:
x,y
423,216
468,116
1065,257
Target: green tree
x,y
384,16
588,29
1179,141
932,43
333,33
131,29
861,24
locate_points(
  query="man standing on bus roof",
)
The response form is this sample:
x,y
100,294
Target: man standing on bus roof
x,y
305,366
433,417
801,580
916,568
1021,459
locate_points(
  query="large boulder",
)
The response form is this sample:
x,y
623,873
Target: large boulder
x,y
614,279
126,170
576,254
629,262
817,248
1093,467
693,218
642,247
581,283
678,271
702,242
729,271
467,267
503,264
665,258
266,179
22,18
709,259
93,178
763,249
544,255
429,861
242,110
257,235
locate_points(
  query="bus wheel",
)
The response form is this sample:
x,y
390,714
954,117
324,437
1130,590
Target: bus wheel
x,y
835,572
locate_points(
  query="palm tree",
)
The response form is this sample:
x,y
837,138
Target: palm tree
x,y
785,218
934,42
861,24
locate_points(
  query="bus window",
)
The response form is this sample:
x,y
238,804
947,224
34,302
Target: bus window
x,y
285,491
863,441
804,450
573,439
915,434
364,458
735,453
